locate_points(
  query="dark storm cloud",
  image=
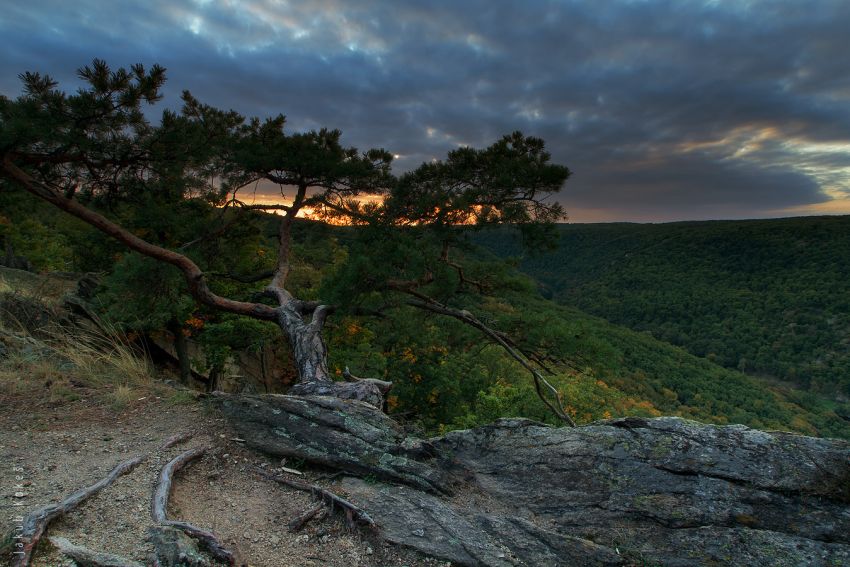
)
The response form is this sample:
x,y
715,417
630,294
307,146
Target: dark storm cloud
x,y
662,109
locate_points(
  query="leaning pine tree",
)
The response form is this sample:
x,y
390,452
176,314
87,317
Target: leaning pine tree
x,y
82,152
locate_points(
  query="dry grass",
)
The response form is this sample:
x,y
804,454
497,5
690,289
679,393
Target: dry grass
x,y
69,364
121,396
61,363
101,356
48,287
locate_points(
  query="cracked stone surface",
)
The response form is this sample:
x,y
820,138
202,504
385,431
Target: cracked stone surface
x,y
621,492
348,435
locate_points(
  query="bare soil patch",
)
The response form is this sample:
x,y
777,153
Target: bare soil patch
x,y
63,446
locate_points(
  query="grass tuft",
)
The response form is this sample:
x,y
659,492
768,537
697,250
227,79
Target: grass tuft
x,y
65,364
182,398
121,396
101,356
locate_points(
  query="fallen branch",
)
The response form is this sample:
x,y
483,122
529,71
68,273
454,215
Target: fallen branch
x,y
176,439
159,506
382,385
88,558
36,523
302,520
352,512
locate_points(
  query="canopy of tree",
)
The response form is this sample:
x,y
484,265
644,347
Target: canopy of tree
x,y
93,154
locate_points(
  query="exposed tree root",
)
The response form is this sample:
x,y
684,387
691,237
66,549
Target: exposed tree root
x,y
176,439
353,514
36,523
159,507
301,521
88,558
383,386
159,503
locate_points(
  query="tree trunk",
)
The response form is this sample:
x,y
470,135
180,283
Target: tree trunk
x,y
212,381
181,348
309,350
310,355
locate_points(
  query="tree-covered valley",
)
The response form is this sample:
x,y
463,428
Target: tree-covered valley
x,y
360,358
411,298
445,376
766,297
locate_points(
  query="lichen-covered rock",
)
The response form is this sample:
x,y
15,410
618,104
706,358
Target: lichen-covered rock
x,y
629,491
173,548
348,435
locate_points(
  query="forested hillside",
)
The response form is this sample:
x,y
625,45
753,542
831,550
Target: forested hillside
x,y
382,299
768,297
445,376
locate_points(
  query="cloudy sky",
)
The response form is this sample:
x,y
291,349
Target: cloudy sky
x,y
664,110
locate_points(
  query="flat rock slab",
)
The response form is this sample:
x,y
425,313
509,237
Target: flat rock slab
x,y
348,435
662,491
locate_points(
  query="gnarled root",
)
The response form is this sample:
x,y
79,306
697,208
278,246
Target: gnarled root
x,y
353,514
163,535
302,520
36,523
88,558
176,439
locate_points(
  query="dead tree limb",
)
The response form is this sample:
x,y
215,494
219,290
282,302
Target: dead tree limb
x,y
159,506
176,439
382,385
352,512
36,522
301,521
87,558
428,304
444,257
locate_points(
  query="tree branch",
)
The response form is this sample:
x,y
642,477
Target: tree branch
x,y
425,303
278,283
444,257
214,233
320,315
264,207
191,272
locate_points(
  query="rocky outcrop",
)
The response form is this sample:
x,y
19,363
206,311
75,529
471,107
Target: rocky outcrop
x,y
621,492
342,434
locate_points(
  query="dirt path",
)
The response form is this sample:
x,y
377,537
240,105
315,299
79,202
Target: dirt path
x,y
65,446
